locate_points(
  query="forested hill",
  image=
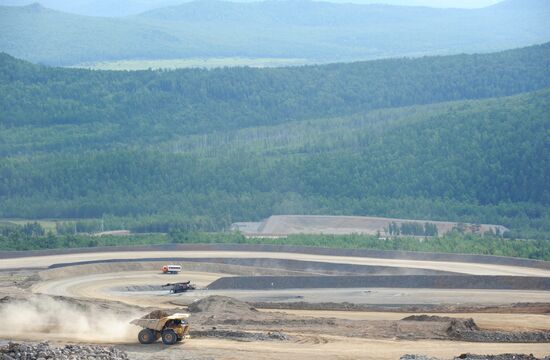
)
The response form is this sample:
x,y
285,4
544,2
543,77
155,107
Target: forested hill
x,y
195,101
462,138
97,7
304,30
321,13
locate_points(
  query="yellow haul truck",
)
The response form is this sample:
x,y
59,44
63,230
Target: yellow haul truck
x,y
171,329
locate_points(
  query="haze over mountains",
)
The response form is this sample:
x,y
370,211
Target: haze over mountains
x,y
291,29
133,7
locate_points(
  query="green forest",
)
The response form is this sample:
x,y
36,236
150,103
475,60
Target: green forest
x,y
461,138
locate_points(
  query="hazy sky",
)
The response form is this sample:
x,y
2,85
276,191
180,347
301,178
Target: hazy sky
x,y
152,3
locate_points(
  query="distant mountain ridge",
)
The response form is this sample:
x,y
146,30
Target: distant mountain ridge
x,y
317,31
295,12
96,7
120,8
522,4
310,12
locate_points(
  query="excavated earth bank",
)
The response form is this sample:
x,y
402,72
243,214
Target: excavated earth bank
x,y
219,312
381,281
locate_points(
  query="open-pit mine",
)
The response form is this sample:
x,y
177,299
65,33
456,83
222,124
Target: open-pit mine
x,y
273,302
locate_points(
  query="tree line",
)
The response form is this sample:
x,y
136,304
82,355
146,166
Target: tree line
x,y
412,228
16,238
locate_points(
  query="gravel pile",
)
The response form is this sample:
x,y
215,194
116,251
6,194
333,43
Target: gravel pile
x,y
467,330
499,357
156,314
502,336
221,305
44,351
478,357
455,324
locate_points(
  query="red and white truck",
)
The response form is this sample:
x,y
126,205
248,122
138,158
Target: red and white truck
x,y
171,269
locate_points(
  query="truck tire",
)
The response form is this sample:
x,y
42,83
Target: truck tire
x,y
146,336
169,337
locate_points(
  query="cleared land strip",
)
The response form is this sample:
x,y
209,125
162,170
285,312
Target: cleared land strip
x,y
465,264
308,267
458,267
379,254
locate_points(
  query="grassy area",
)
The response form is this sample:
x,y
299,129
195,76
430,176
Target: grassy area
x,y
208,63
48,225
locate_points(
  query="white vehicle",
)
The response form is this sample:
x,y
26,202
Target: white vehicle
x,y
171,269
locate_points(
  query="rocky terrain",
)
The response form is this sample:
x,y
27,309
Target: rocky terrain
x,y
45,351
478,357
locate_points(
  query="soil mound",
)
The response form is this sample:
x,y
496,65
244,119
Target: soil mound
x,y
156,314
455,325
459,326
221,305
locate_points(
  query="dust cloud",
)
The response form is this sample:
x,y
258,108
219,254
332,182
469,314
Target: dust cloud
x,y
45,318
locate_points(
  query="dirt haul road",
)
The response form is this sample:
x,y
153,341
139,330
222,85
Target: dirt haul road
x,y
108,286
464,268
113,286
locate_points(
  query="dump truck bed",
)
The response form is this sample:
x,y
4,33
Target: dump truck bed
x,y
158,324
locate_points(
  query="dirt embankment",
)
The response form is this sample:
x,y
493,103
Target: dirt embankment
x,y
104,267
381,281
260,266
321,268
519,308
223,313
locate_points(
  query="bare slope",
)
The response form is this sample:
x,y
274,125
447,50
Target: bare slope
x,y
316,224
